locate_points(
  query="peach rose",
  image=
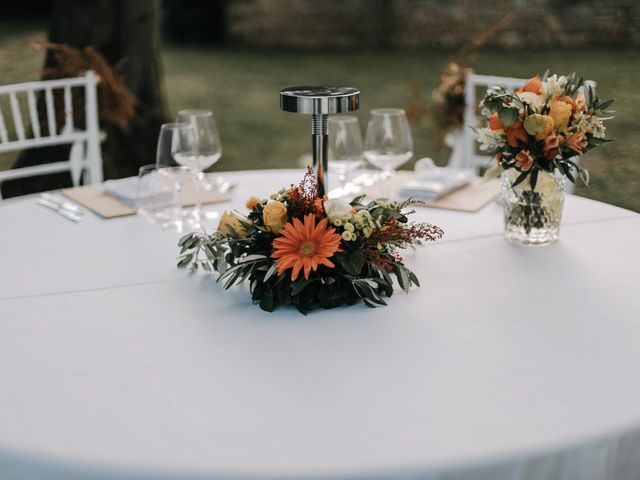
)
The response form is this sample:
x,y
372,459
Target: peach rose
x,y
552,145
230,223
577,142
561,113
524,160
516,133
533,85
275,215
569,101
538,126
581,102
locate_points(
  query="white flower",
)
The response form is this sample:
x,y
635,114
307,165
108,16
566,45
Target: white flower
x,y
535,101
553,86
591,124
337,210
490,139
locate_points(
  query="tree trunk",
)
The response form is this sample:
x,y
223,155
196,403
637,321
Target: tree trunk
x,y
127,33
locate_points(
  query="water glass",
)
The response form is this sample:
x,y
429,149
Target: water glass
x,y
388,142
156,197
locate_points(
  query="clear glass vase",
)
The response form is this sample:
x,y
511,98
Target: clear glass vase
x,y
532,217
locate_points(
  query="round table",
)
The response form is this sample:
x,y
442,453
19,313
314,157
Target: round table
x,y
508,362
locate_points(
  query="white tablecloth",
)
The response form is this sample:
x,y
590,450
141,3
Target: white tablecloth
x,y
508,363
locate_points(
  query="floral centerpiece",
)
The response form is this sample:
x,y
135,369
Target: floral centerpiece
x,y
302,249
537,134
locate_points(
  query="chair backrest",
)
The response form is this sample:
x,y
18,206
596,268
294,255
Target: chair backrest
x,y
85,159
470,157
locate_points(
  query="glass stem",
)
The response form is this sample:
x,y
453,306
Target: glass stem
x,y
198,203
177,212
342,178
387,175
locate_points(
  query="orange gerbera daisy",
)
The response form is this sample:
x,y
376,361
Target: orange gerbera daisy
x,y
305,246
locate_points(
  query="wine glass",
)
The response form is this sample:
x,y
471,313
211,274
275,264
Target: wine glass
x,y
345,147
175,141
208,151
388,142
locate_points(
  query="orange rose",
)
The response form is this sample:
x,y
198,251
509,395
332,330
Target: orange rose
x,y
515,133
524,160
551,145
495,123
561,113
533,85
577,142
569,101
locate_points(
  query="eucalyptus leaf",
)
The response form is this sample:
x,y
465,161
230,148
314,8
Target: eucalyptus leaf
x,y
509,116
272,270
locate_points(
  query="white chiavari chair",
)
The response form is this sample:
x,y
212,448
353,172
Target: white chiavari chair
x,y
85,158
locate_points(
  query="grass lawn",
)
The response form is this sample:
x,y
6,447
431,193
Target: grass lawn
x,y
242,88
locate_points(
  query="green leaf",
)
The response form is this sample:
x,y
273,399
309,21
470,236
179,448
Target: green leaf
x,y
520,179
272,270
351,262
252,258
403,277
185,260
413,278
357,200
267,302
299,285
604,105
534,178
509,116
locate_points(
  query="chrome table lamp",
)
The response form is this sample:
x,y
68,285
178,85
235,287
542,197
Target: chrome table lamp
x,y
319,102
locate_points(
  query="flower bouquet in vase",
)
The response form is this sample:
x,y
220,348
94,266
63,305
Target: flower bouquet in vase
x,y
302,249
537,134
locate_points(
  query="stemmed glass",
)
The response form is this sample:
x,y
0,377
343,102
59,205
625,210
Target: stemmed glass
x,y
345,147
207,151
388,142
175,141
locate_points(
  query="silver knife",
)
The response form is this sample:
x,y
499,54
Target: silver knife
x,y
68,214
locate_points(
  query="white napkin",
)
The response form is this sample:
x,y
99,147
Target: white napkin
x,y
126,190
431,183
